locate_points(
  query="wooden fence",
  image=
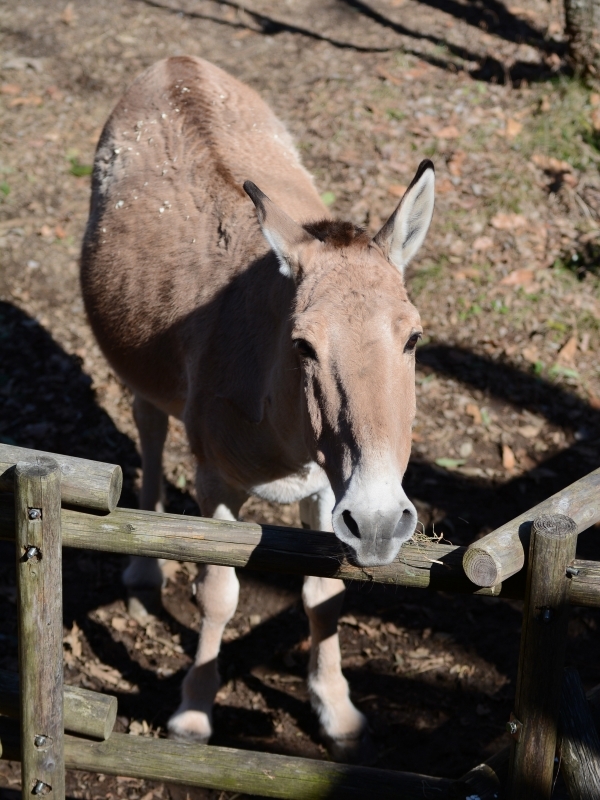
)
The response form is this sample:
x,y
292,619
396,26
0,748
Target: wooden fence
x,y
49,501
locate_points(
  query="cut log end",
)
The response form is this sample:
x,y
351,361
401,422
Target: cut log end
x,y
115,488
481,568
554,526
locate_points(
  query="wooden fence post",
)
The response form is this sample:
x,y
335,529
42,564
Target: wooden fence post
x,y
541,659
39,599
579,741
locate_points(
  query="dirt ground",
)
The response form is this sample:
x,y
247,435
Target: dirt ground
x,y
508,379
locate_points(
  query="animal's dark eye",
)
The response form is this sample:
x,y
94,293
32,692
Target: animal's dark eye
x,y
305,349
412,343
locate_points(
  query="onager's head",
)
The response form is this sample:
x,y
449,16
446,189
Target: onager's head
x,y
355,332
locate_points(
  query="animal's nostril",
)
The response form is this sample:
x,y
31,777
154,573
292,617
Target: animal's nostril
x,y
406,511
351,524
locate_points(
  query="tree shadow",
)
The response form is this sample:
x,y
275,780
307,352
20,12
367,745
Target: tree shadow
x,y
492,16
47,402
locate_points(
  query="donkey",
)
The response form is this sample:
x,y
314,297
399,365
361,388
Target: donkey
x,y
283,339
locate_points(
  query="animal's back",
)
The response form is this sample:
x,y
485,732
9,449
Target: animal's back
x,y
169,223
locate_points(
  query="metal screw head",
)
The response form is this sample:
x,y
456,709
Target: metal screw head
x,y
35,513
512,728
31,552
572,571
546,615
41,788
40,740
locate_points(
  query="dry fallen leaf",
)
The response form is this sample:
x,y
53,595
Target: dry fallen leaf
x,y
118,623
531,354
10,88
444,186
508,457
45,231
508,221
396,189
483,243
68,14
455,164
596,119
529,431
104,673
518,277
384,73
73,640
513,128
449,132
467,272
566,354
550,164
32,100
473,411
594,400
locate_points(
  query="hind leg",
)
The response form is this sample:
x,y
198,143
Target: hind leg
x,y
143,577
217,591
342,724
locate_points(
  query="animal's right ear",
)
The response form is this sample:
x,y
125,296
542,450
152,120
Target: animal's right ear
x,y
285,237
404,232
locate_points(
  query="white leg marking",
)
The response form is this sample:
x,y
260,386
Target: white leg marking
x,y
217,592
341,721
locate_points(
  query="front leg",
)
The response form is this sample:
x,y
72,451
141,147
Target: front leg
x,y
217,592
343,725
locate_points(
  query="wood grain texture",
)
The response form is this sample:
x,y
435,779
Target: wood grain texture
x,y
244,771
40,626
579,747
500,554
287,550
84,484
541,657
245,544
86,713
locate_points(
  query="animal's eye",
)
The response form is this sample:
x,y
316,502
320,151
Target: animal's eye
x,y
305,349
412,342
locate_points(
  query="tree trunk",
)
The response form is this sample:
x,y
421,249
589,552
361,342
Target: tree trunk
x,y
582,21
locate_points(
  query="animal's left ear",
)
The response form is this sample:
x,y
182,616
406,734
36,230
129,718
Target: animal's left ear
x,y
405,231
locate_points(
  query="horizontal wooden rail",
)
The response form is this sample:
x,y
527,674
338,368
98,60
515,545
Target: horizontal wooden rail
x,y
500,554
280,549
233,770
86,713
84,484
245,544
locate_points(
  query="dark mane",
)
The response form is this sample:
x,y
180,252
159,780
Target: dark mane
x,y
337,233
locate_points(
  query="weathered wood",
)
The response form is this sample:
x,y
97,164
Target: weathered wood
x,y
541,658
579,747
245,544
288,550
279,549
485,781
86,713
234,770
39,603
84,484
500,554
